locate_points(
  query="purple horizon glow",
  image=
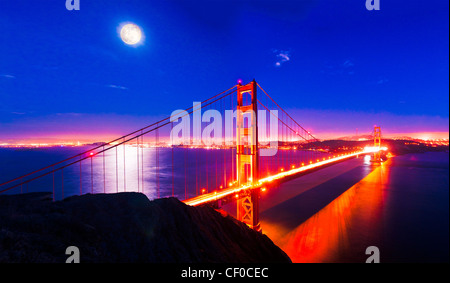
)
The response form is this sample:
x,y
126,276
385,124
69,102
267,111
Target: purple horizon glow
x,y
324,124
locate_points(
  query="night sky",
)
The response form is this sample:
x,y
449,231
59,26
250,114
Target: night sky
x,y
333,64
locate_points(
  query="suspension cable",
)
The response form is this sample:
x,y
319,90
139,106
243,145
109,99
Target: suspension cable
x,y
286,112
188,111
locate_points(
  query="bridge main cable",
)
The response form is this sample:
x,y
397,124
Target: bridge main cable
x,y
287,126
189,111
284,111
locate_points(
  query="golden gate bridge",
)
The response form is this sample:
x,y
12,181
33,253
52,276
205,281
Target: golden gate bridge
x,y
259,147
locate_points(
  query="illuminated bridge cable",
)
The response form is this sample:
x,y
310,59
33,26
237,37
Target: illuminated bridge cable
x,y
284,123
115,140
286,113
158,124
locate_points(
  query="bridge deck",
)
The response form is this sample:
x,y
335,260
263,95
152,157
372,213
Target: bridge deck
x,y
280,177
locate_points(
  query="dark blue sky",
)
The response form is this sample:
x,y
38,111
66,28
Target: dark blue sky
x,y
61,68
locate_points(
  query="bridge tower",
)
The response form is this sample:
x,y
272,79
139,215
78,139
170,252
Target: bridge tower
x,y
377,143
247,154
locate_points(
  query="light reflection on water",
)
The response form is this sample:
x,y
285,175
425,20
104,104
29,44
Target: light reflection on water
x,y
401,207
322,236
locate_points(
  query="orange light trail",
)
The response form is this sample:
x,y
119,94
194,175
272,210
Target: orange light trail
x,y
216,195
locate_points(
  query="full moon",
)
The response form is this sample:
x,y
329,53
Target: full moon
x,y
131,34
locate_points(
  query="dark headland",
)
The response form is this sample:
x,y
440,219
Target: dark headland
x,y
125,227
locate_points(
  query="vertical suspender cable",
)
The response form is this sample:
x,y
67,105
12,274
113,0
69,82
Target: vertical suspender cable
x,y
104,171
124,169
173,180
137,164
92,177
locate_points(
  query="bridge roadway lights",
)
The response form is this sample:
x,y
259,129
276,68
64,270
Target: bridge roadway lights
x,y
235,192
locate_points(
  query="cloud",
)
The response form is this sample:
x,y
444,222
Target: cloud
x,y
382,81
347,67
7,76
70,114
117,87
348,64
282,57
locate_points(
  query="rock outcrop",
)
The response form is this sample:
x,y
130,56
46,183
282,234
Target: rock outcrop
x,y
125,227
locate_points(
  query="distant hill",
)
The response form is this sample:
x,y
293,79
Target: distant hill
x,y
396,147
356,138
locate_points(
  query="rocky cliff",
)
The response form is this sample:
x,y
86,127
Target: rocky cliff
x,y
125,227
